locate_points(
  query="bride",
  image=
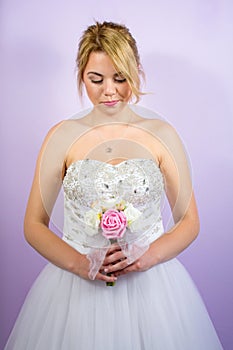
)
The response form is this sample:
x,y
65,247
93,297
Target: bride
x,y
113,280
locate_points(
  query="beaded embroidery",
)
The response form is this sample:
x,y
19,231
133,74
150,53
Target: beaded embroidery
x,y
136,180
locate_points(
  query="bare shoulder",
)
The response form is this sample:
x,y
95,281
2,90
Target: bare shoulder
x,y
67,128
157,127
54,128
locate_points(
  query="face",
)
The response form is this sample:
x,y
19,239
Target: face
x,y
103,83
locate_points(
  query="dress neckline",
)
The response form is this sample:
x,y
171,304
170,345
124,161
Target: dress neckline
x,y
76,162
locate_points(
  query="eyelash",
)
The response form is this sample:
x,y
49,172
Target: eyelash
x,y
100,81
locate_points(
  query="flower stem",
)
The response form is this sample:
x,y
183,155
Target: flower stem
x,y
111,284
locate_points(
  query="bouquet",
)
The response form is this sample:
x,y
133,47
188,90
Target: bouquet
x,y
111,219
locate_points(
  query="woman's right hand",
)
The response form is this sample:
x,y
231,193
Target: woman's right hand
x,y
82,268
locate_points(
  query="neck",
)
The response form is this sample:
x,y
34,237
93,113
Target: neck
x,y
102,115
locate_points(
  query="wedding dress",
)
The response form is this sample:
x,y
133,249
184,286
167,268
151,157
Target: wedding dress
x,y
158,309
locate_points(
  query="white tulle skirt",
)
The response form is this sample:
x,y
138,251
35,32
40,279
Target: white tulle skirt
x,y
159,309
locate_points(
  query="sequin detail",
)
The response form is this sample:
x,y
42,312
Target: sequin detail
x,y
88,183
138,181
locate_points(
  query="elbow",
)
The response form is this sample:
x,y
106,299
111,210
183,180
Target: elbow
x,y
28,229
32,228
197,225
193,222
196,228
28,226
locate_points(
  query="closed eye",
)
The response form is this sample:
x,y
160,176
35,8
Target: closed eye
x,y
97,78
115,79
97,81
120,80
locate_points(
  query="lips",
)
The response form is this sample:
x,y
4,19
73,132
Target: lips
x,y
110,103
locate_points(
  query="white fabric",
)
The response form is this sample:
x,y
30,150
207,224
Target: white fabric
x,y
159,309
128,181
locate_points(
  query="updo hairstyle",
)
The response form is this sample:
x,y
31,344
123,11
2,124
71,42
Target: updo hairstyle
x,y
117,42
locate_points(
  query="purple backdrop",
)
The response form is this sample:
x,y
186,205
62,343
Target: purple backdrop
x,y
186,51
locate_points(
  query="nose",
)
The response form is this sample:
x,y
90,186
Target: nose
x,y
109,88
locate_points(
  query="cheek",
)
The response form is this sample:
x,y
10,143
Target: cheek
x,y
91,90
126,91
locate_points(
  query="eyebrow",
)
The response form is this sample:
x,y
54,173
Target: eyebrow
x,y
99,75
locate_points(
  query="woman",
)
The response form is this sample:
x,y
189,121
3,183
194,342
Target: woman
x,y
114,166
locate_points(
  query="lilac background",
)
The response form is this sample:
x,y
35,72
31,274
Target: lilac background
x,y
186,51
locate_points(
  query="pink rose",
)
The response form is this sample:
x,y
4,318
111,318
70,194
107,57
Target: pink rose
x,y
113,223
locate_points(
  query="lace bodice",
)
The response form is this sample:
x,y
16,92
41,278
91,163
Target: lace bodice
x,y
90,183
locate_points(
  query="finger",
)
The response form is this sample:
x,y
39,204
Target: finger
x,y
113,258
106,278
124,271
120,265
130,268
113,248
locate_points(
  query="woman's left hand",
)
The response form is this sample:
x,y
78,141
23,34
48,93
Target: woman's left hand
x,y
116,263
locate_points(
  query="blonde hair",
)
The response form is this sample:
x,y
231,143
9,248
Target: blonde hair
x,y
117,42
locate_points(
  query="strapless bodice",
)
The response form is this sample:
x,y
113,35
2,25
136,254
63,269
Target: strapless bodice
x,y
94,184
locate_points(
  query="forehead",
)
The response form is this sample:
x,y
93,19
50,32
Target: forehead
x,y
101,63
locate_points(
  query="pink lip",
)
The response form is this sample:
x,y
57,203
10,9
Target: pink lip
x,y
110,103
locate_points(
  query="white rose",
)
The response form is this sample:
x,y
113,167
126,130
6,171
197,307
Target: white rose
x,y
92,219
132,214
109,203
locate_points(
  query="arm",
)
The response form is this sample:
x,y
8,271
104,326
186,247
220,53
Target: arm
x,y
178,187
45,188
